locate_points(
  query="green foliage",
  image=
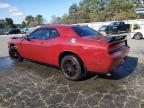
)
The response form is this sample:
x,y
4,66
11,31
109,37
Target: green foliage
x,y
101,10
23,25
2,22
1,26
39,19
7,23
55,20
31,21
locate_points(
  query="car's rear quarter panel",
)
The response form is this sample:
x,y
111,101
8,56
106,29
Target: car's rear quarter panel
x,y
92,53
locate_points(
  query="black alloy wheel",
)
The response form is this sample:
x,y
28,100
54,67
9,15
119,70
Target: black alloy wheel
x,y
72,67
14,54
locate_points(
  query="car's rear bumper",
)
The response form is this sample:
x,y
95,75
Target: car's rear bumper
x,y
111,62
119,58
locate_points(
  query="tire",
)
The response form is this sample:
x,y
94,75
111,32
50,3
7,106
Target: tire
x,y
72,67
138,36
14,54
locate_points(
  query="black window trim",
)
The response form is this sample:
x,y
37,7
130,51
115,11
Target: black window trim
x,y
56,31
86,27
46,29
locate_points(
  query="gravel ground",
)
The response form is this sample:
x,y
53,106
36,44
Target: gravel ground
x,y
32,85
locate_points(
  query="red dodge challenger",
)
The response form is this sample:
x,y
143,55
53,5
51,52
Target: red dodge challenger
x,y
75,49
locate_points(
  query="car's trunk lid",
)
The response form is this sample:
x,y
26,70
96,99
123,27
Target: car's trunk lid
x,y
115,42
108,38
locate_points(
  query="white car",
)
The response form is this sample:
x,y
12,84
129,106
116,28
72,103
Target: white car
x,y
138,34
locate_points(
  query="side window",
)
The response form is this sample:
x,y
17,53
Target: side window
x,y
122,23
53,33
11,31
40,34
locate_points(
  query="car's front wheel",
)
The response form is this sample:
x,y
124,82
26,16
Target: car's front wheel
x,y
72,67
14,54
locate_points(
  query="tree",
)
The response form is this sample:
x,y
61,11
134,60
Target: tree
x,y
120,10
74,13
9,23
39,19
73,9
94,8
66,19
1,26
102,10
33,21
23,25
29,19
2,23
55,20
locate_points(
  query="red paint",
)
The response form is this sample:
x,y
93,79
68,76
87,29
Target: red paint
x,y
93,51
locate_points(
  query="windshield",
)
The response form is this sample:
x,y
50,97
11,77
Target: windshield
x,y
103,28
115,23
85,31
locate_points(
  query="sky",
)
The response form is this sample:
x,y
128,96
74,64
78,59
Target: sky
x,y
18,9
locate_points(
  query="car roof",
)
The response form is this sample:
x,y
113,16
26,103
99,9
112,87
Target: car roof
x,y
14,29
60,26
105,26
55,26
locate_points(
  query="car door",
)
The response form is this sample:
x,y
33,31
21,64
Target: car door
x,y
51,47
108,29
122,26
33,47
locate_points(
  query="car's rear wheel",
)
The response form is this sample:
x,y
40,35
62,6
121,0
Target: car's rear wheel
x,y
138,36
14,54
72,67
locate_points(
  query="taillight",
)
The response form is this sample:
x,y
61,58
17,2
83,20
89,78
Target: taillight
x,y
117,46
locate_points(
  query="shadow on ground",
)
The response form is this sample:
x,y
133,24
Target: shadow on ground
x,y
5,62
125,69
122,72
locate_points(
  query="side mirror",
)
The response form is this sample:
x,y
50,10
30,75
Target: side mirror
x,y
27,38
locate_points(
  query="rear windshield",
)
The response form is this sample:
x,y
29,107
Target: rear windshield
x,y
85,31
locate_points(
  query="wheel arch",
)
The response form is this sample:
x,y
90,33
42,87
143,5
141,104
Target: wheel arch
x,y
12,44
84,69
68,53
